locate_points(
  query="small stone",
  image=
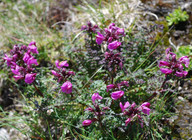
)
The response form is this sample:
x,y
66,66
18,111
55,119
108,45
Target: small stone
x,y
4,134
181,98
180,88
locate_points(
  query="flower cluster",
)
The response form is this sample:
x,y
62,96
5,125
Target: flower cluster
x,y
21,61
113,60
111,35
174,66
62,75
132,111
96,110
90,28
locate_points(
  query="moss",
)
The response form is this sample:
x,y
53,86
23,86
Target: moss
x,y
163,34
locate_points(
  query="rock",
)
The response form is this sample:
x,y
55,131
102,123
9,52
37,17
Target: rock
x,y
187,6
4,134
181,98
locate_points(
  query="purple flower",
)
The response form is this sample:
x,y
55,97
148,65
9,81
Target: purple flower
x,y
16,70
8,59
164,63
30,77
145,108
120,31
66,87
84,27
87,122
114,45
96,96
166,70
117,94
127,121
111,86
71,73
26,57
184,60
111,25
124,83
32,47
172,65
110,39
17,77
31,61
54,73
89,109
61,64
181,74
99,38
123,107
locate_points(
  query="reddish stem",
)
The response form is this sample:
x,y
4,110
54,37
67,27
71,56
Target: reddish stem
x,y
38,91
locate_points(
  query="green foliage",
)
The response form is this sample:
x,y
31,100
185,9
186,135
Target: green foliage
x,y
185,51
58,115
177,16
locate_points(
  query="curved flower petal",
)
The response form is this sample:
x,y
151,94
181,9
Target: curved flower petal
x,y
123,107
87,122
66,87
117,94
30,77
181,74
96,96
127,121
111,86
99,38
164,63
63,63
114,45
166,70
185,60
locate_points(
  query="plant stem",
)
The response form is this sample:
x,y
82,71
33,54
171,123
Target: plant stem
x,y
38,91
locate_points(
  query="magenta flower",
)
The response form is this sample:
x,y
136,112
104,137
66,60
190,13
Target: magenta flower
x,y
89,109
117,94
145,108
111,25
120,31
134,111
32,47
127,121
84,27
99,38
66,87
181,74
61,64
172,65
16,70
110,39
54,73
26,57
184,60
111,86
31,61
8,59
114,45
87,122
96,96
30,77
166,70
71,73
18,77
123,107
